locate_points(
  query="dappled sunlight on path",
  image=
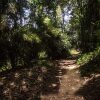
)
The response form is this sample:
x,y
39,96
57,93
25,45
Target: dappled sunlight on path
x,y
70,82
51,80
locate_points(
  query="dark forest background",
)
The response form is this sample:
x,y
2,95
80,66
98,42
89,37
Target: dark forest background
x,y
48,29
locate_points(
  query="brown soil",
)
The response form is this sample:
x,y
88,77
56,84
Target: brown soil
x,y
60,80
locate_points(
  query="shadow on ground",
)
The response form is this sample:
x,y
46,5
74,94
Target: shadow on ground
x,y
91,71
91,90
30,82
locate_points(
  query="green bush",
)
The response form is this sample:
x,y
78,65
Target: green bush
x,y
85,58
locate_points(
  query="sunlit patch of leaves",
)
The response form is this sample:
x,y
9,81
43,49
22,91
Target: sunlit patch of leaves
x,y
5,66
85,58
31,37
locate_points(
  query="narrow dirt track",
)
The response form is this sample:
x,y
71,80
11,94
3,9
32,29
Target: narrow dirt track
x,y
70,82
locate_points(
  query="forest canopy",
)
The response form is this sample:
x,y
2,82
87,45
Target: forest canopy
x,y
37,29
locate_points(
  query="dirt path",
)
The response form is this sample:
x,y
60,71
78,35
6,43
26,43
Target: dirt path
x,y
53,80
70,82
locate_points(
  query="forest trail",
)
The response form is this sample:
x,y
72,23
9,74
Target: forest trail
x,y
58,81
70,82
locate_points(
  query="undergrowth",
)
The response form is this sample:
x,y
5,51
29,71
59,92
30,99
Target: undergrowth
x,y
85,58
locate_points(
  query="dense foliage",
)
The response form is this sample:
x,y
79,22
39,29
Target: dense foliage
x,y
34,29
